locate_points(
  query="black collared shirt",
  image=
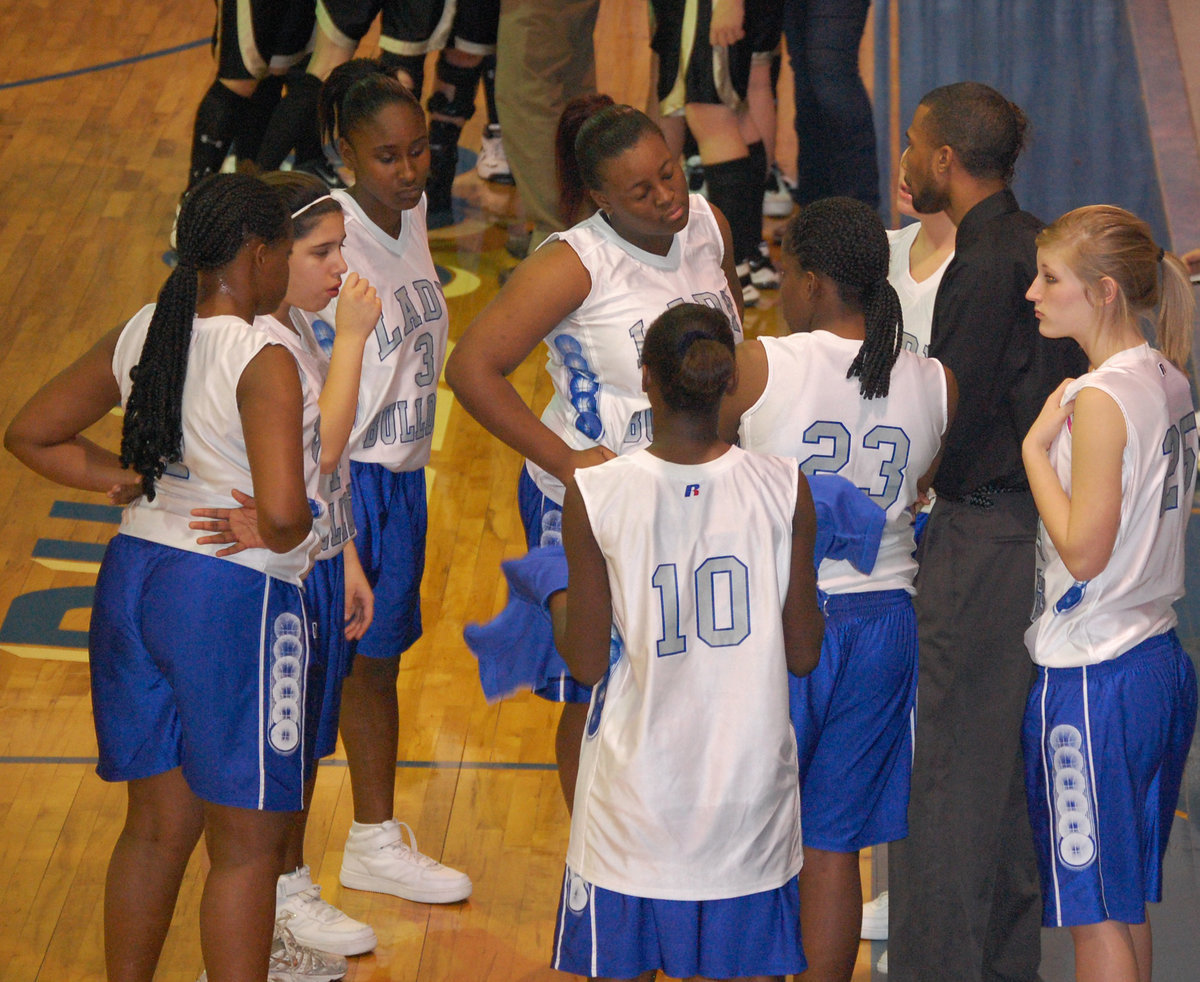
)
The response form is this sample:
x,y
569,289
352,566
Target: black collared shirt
x,y
984,330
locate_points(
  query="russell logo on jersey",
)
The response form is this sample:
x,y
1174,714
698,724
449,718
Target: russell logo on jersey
x,y
692,491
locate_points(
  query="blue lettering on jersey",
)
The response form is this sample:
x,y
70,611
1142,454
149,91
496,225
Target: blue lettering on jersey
x,y
430,299
341,514
393,423
177,469
692,491
641,428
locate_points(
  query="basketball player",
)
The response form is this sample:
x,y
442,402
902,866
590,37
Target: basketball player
x,y
589,293
380,131
841,394
695,559
339,597
1111,462
181,640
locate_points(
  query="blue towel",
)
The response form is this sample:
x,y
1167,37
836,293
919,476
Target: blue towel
x,y
516,648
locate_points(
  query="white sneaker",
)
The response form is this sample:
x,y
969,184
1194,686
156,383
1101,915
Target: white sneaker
x,y
881,965
875,919
316,922
777,200
492,164
378,859
296,962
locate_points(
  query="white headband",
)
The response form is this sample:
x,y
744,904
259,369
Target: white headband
x,y
316,201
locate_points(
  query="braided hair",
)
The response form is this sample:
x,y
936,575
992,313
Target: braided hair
x,y
844,239
689,349
219,215
355,92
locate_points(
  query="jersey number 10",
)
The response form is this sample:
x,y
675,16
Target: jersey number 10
x,y
722,585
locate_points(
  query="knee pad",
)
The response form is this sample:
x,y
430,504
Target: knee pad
x,y
412,65
459,105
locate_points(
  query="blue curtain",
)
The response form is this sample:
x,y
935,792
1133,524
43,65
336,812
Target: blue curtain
x,y
1069,64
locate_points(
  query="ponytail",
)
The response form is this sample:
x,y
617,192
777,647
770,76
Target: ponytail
x,y
219,215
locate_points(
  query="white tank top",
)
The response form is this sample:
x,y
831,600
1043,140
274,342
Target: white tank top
x,y
687,785
214,448
335,526
1130,600
402,362
595,353
811,411
916,299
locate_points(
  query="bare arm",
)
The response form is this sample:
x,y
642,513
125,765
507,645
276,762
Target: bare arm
x,y
45,433
726,26
271,406
803,624
749,384
358,311
360,599
1084,525
543,290
925,482
729,263
585,641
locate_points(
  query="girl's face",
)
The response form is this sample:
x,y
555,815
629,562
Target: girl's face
x,y
644,191
316,264
271,274
389,155
1061,302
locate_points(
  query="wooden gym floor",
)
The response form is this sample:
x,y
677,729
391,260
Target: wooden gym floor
x,y
96,162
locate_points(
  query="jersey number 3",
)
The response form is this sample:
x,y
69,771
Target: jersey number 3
x,y
722,585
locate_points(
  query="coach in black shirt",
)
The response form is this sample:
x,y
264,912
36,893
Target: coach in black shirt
x,y
964,896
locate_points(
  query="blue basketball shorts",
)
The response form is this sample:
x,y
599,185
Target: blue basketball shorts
x,y
853,722
202,664
1105,747
390,517
542,518
325,591
602,933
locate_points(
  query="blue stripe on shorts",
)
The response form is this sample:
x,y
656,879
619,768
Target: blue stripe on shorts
x,y
1105,747
600,932
390,517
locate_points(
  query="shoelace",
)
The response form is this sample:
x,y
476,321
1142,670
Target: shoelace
x,y
316,908
399,845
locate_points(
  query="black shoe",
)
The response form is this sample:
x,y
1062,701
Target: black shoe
x,y
324,170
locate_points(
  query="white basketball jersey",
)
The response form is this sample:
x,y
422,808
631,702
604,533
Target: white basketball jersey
x,y
688,785
595,354
214,448
402,362
916,299
335,526
811,411
1081,623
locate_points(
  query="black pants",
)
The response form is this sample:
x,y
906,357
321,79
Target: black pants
x,y
963,887
834,127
